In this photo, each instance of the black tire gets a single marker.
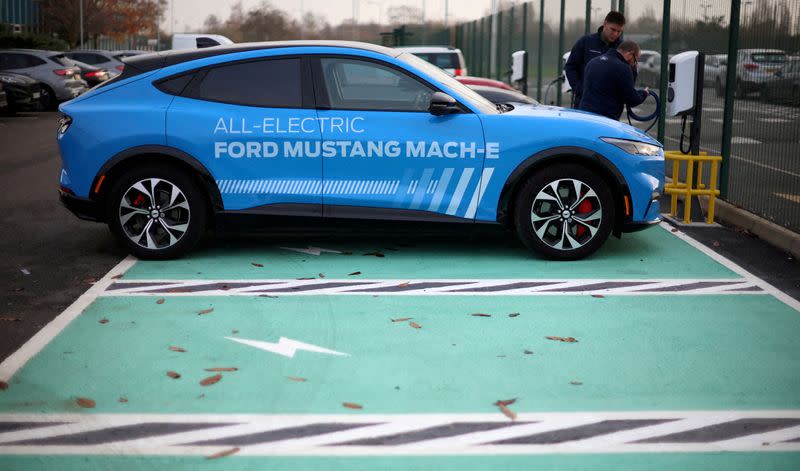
(171, 233)
(48, 100)
(535, 197)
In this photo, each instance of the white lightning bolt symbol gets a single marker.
(286, 347)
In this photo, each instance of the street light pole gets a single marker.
(80, 8)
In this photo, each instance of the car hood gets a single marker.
(604, 126)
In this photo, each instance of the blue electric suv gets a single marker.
(341, 130)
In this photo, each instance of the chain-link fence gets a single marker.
(755, 45)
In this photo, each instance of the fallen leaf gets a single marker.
(402, 319)
(223, 453)
(376, 254)
(3, 385)
(415, 325)
(206, 311)
(122, 400)
(103, 321)
(211, 380)
(575, 383)
(223, 368)
(716, 243)
(505, 402)
(598, 296)
(322, 275)
(259, 265)
(160, 301)
(513, 314)
(478, 314)
(173, 374)
(403, 285)
(527, 352)
(117, 277)
(177, 349)
(85, 402)
(352, 405)
(296, 378)
(674, 230)
(10, 319)
(354, 273)
(90, 280)
(508, 412)
(563, 339)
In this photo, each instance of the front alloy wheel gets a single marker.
(564, 212)
(154, 214)
(157, 212)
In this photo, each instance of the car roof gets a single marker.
(413, 49)
(147, 62)
(34, 51)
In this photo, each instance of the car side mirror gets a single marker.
(442, 104)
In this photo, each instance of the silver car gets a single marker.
(109, 60)
(60, 78)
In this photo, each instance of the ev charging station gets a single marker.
(519, 69)
(685, 94)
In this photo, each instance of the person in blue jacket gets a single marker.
(590, 46)
(608, 82)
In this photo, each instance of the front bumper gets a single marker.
(84, 208)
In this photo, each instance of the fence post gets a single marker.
(481, 54)
(497, 45)
(539, 55)
(525, 43)
(622, 6)
(473, 53)
(662, 91)
(559, 52)
(588, 23)
(510, 38)
(730, 88)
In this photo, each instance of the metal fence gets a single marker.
(752, 44)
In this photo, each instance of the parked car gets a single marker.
(784, 87)
(649, 69)
(198, 41)
(484, 82)
(716, 67)
(445, 57)
(754, 67)
(109, 60)
(255, 130)
(59, 76)
(22, 91)
(503, 96)
(91, 74)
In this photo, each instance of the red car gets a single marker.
(485, 82)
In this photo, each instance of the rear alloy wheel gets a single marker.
(564, 212)
(157, 213)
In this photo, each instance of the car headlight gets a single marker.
(633, 147)
(9, 79)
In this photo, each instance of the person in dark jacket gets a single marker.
(590, 46)
(608, 82)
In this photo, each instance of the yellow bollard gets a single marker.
(687, 189)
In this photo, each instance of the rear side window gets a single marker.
(273, 83)
(444, 60)
(93, 59)
(175, 85)
(206, 42)
(10, 61)
(61, 59)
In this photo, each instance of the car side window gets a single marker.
(19, 61)
(271, 83)
(354, 84)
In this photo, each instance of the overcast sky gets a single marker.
(192, 13)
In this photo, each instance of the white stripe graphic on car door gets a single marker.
(477, 196)
(455, 201)
(441, 187)
(420, 190)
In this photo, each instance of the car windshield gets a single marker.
(773, 58)
(463, 91)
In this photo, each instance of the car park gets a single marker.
(59, 77)
(90, 74)
(784, 87)
(484, 82)
(22, 92)
(714, 71)
(450, 59)
(502, 96)
(754, 67)
(341, 131)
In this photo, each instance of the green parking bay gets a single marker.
(667, 343)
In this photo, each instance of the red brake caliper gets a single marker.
(583, 208)
(138, 200)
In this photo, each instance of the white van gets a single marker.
(445, 57)
(198, 41)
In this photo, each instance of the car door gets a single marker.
(384, 154)
(248, 122)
